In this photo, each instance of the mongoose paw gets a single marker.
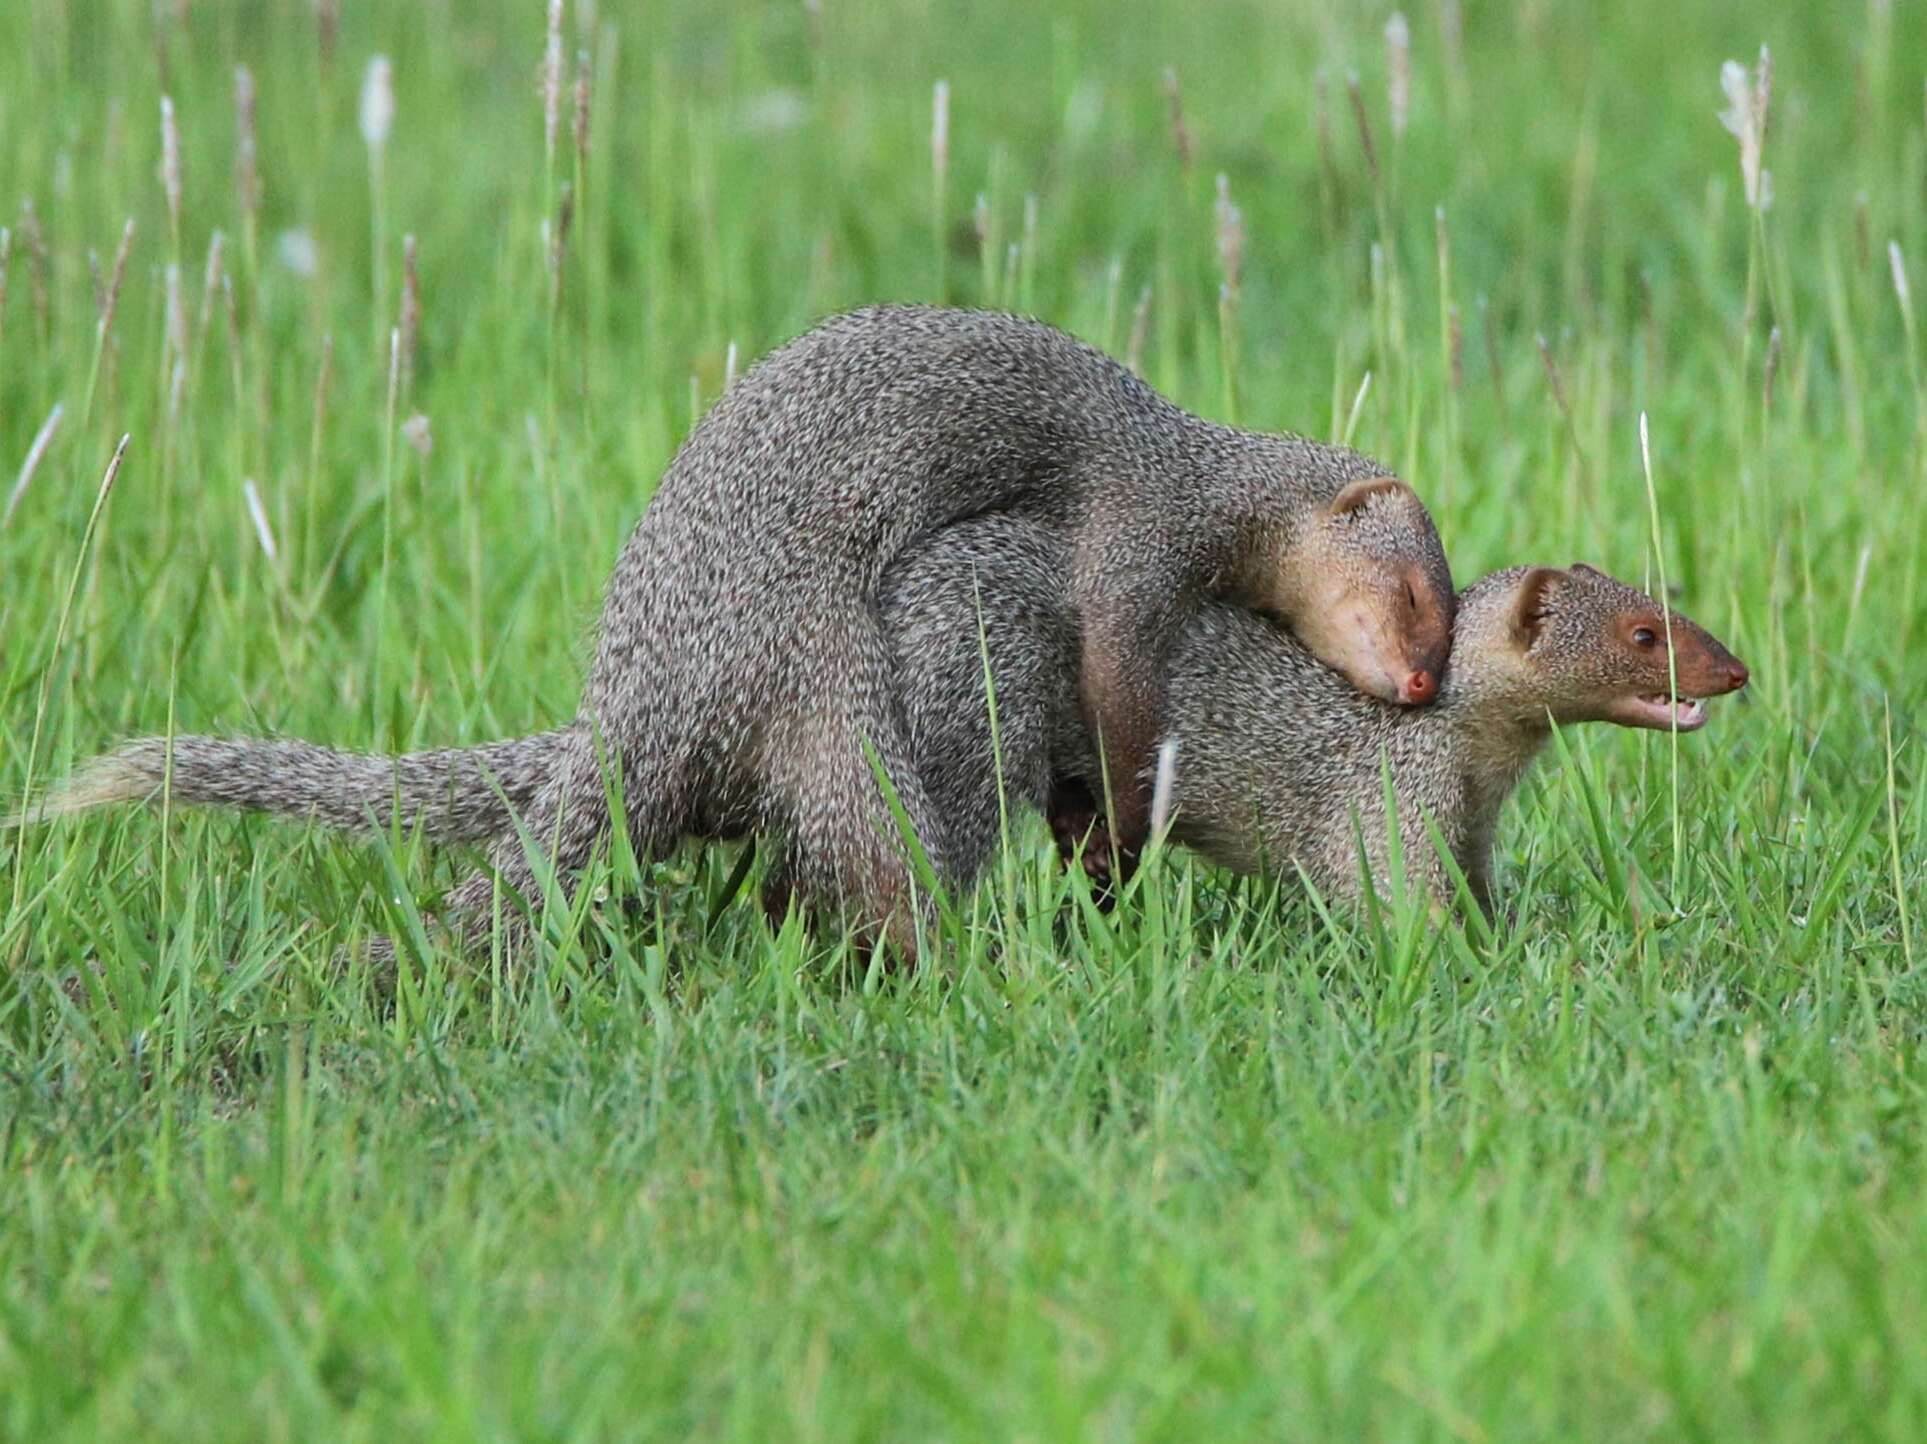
(1083, 836)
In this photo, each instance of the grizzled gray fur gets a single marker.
(1279, 758)
(741, 668)
(457, 794)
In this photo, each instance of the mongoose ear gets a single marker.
(1532, 603)
(1356, 493)
(1581, 567)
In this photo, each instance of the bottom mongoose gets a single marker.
(1278, 762)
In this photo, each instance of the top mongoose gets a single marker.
(741, 678)
(1279, 761)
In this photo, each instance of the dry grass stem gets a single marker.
(1140, 328)
(377, 109)
(1364, 123)
(263, 533)
(171, 170)
(1231, 237)
(247, 171)
(580, 128)
(411, 309)
(1164, 786)
(36, 453)
(552, 83)
(1180, 132)
(35, 242)
(1398, 71)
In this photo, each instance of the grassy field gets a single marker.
(1645, 1164)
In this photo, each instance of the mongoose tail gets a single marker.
(1361, 580)
(452, 794)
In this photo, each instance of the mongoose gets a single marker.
(1276, 755)
(742, 680)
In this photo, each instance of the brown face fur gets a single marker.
(1591, 649)
(1375, 597)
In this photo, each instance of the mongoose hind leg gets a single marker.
(848, 855)
(1078, 822)
(1130, 617)
(567, 820)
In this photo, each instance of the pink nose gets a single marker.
(1420, 686)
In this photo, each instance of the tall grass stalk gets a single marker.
(56, 654)
(1672, 660)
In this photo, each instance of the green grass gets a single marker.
(1648, 1164)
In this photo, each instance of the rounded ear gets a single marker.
(1355, 494)
(1588, 571)
(1532, 603)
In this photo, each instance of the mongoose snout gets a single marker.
(1599, 650)
(1374, 601)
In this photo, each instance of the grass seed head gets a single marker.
(210, 283)
(411, 306)
(552, 80)
(42, 439)
(327, 28)
(1231, 237)
(417, 433)
(176, 311)
(1747, 99)
(1897, 265)
(581, 117)
(1452, 32)
(1364, 123)
(171, 164)
(247, 176)
(1398, 70)
(297, 251)
(35, 243)
(112, 297)
(1180, 132)
(377, 103)
(940, 129)
(1140, 328)
(258, 514)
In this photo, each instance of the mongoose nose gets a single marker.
(1420, 686)
(1736, 676)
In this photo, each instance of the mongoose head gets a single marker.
(1582, 647)
(1369, 591)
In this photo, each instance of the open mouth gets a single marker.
(1663, 713)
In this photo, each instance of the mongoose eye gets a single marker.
(1411, 598)
(1645, 637)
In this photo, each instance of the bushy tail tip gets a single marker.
(100, 783)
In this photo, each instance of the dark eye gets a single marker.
(1411, 597)
(1645, 637)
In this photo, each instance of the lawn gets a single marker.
(1644, 1163)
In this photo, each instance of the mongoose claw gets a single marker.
(1084, 837)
